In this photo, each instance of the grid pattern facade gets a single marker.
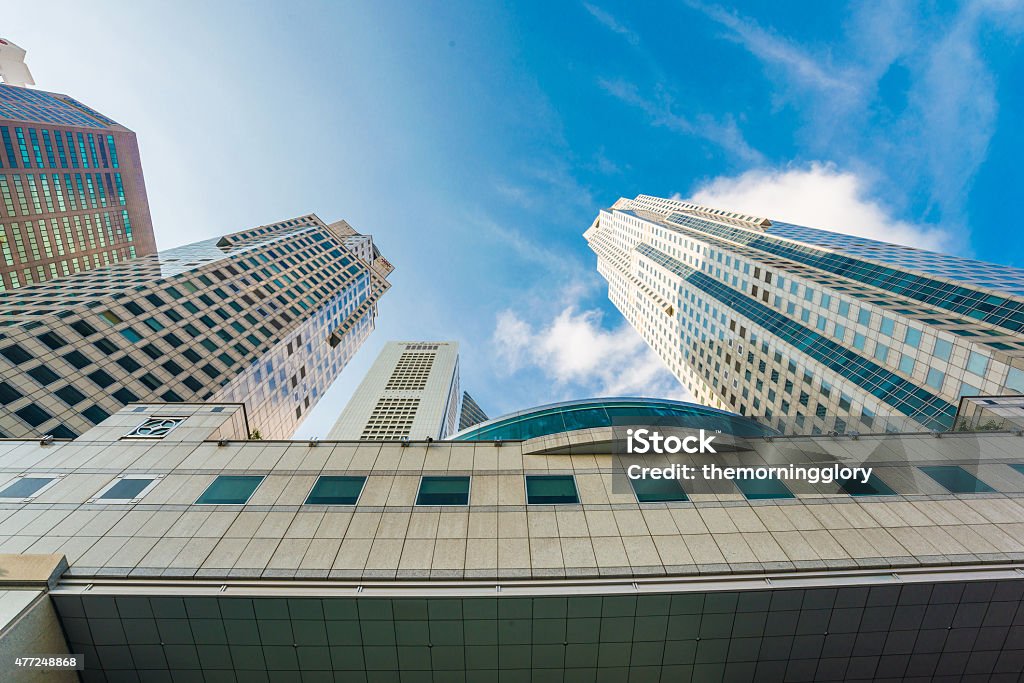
(391, 418)
(254, 317)
(410, 392)
(810, 330)
(927, 632)
(72, 194)
(471, 413)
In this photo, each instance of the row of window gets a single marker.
(541, 489)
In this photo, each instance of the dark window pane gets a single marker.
(550, 489)
(76, 359)
(761, 489)
(54, 341)
(83, 328)
(649, 490)
(336, 491)
(95, 414)
(8, 394)
(956, 479)
(43, 375)
(62, 432)
(230, 490)
(105, 346)
(128, 363)
(25, 487)
(70, 395)
(873, 487)
(101, 378)
(126, 489)
(443, 491)
(125, 396)
(33, 414)
(16, 354)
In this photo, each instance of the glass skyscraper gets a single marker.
(267, 317)
(813, 330)
(72, 195)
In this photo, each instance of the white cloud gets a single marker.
(818, 196)
(582, 357)
(612, 24)
(660, 109)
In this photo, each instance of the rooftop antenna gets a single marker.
(13, 70)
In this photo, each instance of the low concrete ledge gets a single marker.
(35, 571)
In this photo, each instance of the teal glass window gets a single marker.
(1019, 468)
(230, 490)
(26, 487)
(763, 489)
(969, 390)
(858, 341)
(907, 364)
(864, 317)
(956, 479)
(977, 363)
(551, 489)
(443, 491)
(844, 309)
(913, 337)
(887, 326)
(881, 352)
(657, 490)
(873, 487)
(1015, 380)
(935, 378)
(126, 489)
(942, 349)
(330, 490)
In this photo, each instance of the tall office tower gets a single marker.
(267, 317)
(471, 413)
(72, 189)
(410, 392)
(812, 329)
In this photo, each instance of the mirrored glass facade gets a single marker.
(808, 330)
(72, 194)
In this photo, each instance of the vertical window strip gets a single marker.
(5, 189)
(25, 161)
(37, 151)
(71, 150)
(49, 148)
(120, 189)
(81, 151)
(8, 256)
(60, 149)
(20, 190)
(60, 193)
(55, 229)
(33, 191)
(9, 146)
(113, 151)
(92, 149)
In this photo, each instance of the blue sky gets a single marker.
(477, 141)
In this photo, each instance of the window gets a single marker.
(443, 491)
(43, 375)
(230, 490)
(873, 487)
(649, 490)
(126, 489)
(956, 479)
(881, 352)
(27, 487)
(864, 317)
(70, 395)
(33, 415)
(16, 354)
(336, 491)
(977, 363)
(551, 489)
(913, 337)
(762, 489)
(907, 364)
(95, 414)
(942, 349)
(887, 326)
(934, 378)
(154, 427)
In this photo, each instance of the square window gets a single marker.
(762, 489)
(551, 489)
(70, 395)
(95, 414)
(43, 375)
(443, 491)
(881, 352)
(977, 363)
(942, 349)
(33, 415)
(913, 337)
(907, 364)
(27, 487)
(956, 479)
(872, 487)
(934, 378)
(125, 489)
(649, 490)
(230, 490)
(332, 490)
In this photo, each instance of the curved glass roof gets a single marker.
(569, 416)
